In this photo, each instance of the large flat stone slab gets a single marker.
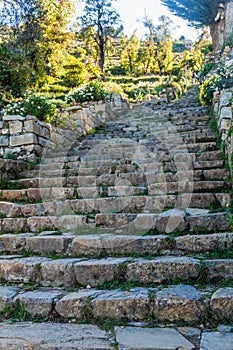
(217, 341)
(133, 338)
(48, 336)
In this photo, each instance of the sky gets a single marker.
(132, 10)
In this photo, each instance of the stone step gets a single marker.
(88, 177)
(124, 223)
(167, 221)
(74, 272)
(53, 202)
(95, 245)
(41, 223)
(187, 186)
(173, 303)
(98, 166)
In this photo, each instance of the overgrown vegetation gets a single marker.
(62, 67)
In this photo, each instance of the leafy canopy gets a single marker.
(197, 12)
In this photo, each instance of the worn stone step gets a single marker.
(186, 186)
(38, 223)
(47, 335)
(74, 272)
(130, 204)
(109, 245)
(172, 303)
(168, 221)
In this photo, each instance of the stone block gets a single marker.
(9, 118)
(6, 295)
(21, 140)
(74, 304)
(221, 303)
(94, 272)
(5, 131)
(171, 220)
(179, 302)
(14, 225)
(226, 113)
(39, 244)
(32, 127)
(59, 273)
(22, 269)
(71, 222)
(48, 335)
(134, 305)
(163, 269)
(132, 338)
(10, 209)
(203, 243)
(39, 303)
(13, 244)
(16, 127)
(38, 223)
(216, 341)
(43, 141)
(225, 97)
(220, 268)
(45, 133)
(4, 141)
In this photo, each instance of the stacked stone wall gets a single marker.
(24, 138)
(223, 111)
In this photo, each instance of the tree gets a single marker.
(159, 44)
(100, 15)
(37, 34)
(211, 13)
(129, 52)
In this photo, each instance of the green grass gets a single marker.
(10, 185)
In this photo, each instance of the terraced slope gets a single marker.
(127, 227)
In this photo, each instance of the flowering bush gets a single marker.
(93, 91)
(221, 78)
(32, 104)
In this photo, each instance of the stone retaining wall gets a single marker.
(223, 111)
(24, 138)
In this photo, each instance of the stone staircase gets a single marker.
(122, 239)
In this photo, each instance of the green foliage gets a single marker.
(229, 40)
(117, 70)
(94, 91)
(111, 88)
(32, 52)
(219, 78)
(206, 69)
(74, 72)
(197, 13)
(129, 53)
(100, 16)
(32, 104)
(10, 185)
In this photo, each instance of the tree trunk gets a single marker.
(101, 56)
(222, 28)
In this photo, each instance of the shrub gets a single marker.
(221, 78)
(32, 104)
(93, 91)
(112, 88)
